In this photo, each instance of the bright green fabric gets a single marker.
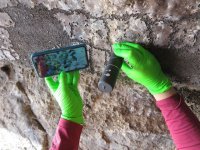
(142, 67)
(65, 90)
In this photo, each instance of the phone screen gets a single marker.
(52, 62)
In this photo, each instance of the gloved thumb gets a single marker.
(53, 85)
(127, 52)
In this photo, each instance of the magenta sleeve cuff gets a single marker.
(67, 136)
(183, 125)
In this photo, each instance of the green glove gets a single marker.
(65, 90)
(142, 67)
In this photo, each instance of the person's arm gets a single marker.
(65, 91)
(67, 136)
(183, 125)
(143, 68)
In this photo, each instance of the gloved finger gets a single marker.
(122, 51)
(129, 53)
(62, 78)
(52, 85)
(125, 68)
(70, 77)
(76, 78)
(136, 46)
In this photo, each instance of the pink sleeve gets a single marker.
(183, 125)
(67, 136)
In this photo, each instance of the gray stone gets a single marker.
(125, 119)
(5, 20)
(17, 115)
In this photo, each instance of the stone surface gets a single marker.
(17, 114)
(125, 119)
(6, 49)
(6, 21)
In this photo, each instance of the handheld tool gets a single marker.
(109, 76)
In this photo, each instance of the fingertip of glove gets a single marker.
(121, 45)
(62, 74)
(115, 45)
(77, 73)
(47, 79)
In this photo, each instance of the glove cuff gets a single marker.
(160, 86)
(79, 120)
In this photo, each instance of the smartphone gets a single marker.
(52, 62)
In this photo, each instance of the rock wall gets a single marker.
(127, 118)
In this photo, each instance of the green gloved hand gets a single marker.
(142, 67)
(65, 90)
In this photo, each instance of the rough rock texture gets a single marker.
(127, 118)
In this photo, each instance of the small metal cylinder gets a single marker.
(110, 74)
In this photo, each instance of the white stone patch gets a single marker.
(8, 54)
(137, 31)
(6, 50)
(5, 3)
(137, 25)
(5, 20)
(2, 55)
(50, 4)
(28, 3)
(108, 7)
(99, 33)
(101, 8)
(117, 29)
(10, 140)
(161, 32)
(187, 35)
(61, 4)
(67, 5)
(132, 30)
(73, 20)
(78, 26)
